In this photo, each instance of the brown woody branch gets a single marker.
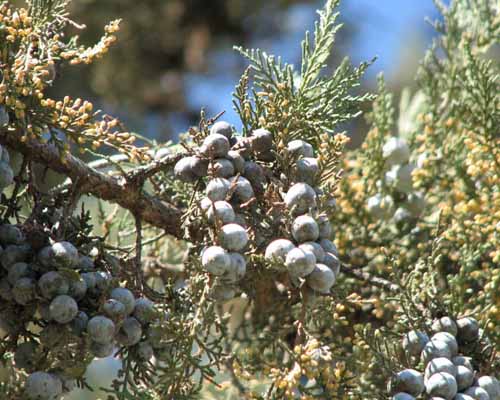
(128, 193)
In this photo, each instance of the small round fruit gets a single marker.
(305, 229)
(254, 173)
(278, 249)
(79, 323)
(332, 262)
(414, 342)
(243, 190)
(233, 237)
(63, 309)
(77, 289)
(442, 385)
(491, 385)
(217, 189)
(445, 324)
(237, 160)
(307, 170)
(144, 310)
(299, 263)
(403, 396)
(237, 269)
(189, 169)
(435, 349)
(125, 297)
(222, 168)
(477, 393)
(215, 146)
(440, 364)
(90, 279)
(65, 255)
(103, 280)
(321, 279)
(215, 260)
(114, 309)
(222, 128)
(314, 248)
(462, 396)
(395, 151)
(301, 197)
(462, 360)
(17, 271)
(183, 170)
(220, 211)
(449, 339)
(325, 227)
(262, 140)
(408, 381)
(11, 234)
(102, 350)
(300, 148)
(43, 386)
(465, 378)
(130, 332)
(329, 246)
(85, 263)
(101, 329)
(468, 330)
(24, 291)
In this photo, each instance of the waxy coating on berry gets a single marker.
(215, 260)
(301, 197)
(217, 189)
(125, 297)
(43, 386)
(222, 128)
(442, 385)
(65, 255)
(63, 309)
(101, 329)
(233, 237)
(321, 279)
(408, 381)
(300, 148)
(299, 263)
(278, 249)
(221, 212)
(215, 146)
(305, 229)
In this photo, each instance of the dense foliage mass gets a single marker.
(262, 264)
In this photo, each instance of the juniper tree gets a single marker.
(263, 264)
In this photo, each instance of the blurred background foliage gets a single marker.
(174, 57)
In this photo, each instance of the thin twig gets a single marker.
(369, 278)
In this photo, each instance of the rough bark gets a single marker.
(127, 193)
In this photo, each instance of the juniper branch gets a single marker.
(369, 278)
(127, 193)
